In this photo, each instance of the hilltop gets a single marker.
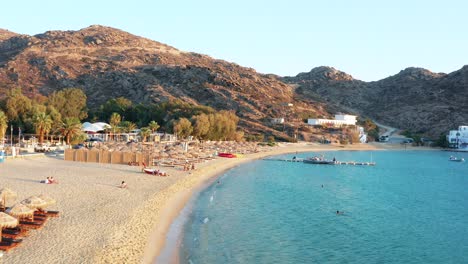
(107, 63)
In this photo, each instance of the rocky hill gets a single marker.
(108, 63)
(415, 99)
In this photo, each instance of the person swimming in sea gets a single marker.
(339, 213)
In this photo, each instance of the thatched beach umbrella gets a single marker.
(46, 198)
(6, 221)
(34, 202)
(6, 193)
(21, 211)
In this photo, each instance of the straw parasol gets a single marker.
(21, 211)
(6, 221)
(34, 202)
(6, 193)
(46, 198)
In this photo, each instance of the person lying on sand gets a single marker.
(123, 185)
(52, 180)
(46, 181)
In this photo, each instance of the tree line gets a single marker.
(62, 112)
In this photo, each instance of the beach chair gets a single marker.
(16, 231)
(31, 224)
(46, 213)
(7, 246)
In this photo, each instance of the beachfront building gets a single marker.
(339, 120)
(277, 120)
(362, 135)
(458, 138)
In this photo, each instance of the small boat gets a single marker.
(154, 172)
(452, 158)
(319, 161)
(227, 155)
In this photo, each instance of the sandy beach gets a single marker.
(101, 223)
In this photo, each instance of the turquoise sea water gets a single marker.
(410, 208)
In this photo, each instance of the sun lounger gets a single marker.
(31, 225)
(6, 246)
(46, 213)
(11, 240)
(15, 236)
(15, 232)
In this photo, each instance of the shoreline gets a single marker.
(175, 204)
(101, 223)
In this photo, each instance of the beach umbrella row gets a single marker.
(24, 209)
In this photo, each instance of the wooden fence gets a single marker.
(104, 156)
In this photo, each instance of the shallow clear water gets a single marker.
(410, 208)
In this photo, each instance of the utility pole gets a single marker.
(11, 136)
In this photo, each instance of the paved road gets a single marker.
(393, 134)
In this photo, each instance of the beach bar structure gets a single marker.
(458, 139)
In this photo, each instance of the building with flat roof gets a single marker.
(339, 120)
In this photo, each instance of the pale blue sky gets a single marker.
(368, 39)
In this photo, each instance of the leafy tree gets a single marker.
(70, 128)
(56, 117)
(17, 106)
(144, 133)
(201, 125)
(239, 136)
(153, 126)
(3, 124)
(442, 141)
(118, 105)
(42, 123)
(183, 127)
(271, 139)
(70, 102)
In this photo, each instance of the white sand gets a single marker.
(101, 223)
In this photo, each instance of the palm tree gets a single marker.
(42, 123)
(3, 124)
(144, 133)
(127, 126)
(69, 128)
(153, 125)
(114, 121)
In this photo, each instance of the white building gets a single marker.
(338, 121)
(362, 135)
(458, 138)
(277, 120)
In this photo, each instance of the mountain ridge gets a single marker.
(414, 99)
(106, 63)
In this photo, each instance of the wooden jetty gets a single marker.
(325, 162)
